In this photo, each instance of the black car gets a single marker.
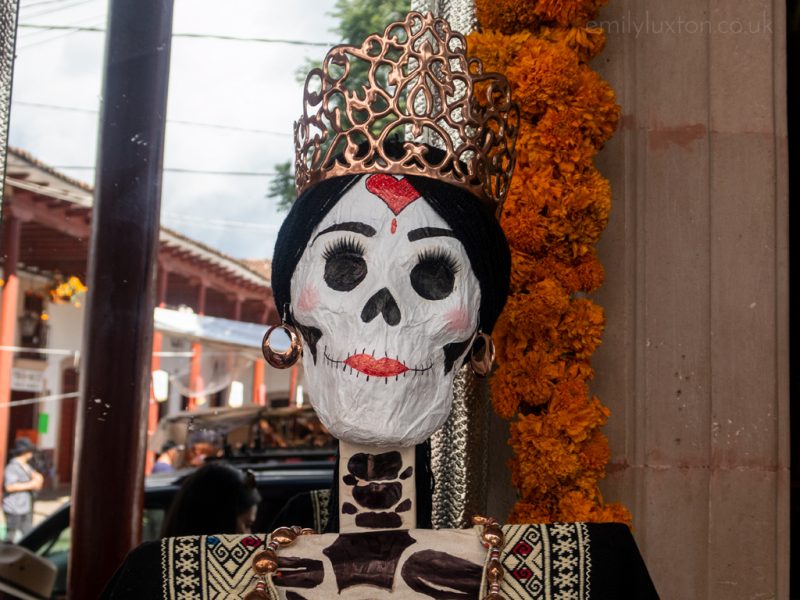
(277, 480)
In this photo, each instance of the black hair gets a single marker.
(168, 445)
(210, 500)
(474, 227)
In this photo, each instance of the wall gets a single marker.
(694, 363)
(66, 330)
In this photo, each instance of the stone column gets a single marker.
(196, 382)
(694, 363)
(162, 282)
(11, 227)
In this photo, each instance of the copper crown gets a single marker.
(414, 81)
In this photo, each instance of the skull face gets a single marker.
(387, 304)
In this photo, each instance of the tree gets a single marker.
(282, 186)
(357, 20)
(360, 18)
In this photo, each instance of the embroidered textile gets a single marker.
(542, 562)
(546, 562)
(208, 567)
(319, 503)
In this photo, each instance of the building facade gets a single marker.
(212, 311)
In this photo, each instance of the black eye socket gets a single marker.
(345, 267)
(434, 275)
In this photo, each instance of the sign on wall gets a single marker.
(27, 380)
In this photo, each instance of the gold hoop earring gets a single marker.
(481, 355)
(276, 352)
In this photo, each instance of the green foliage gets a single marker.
(282, 186)
(357, 20)
(360, 18)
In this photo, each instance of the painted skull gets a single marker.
(387, 304)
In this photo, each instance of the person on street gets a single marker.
(20, 482)
(169, 458)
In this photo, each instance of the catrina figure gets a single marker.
(391, 282)
(389, 273)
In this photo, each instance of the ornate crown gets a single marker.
(413, 84)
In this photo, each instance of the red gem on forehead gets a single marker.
(396, 193)
(394, 225)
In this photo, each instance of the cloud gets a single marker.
(246, 85)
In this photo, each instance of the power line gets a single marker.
(220, 223)
(28, 40)
(27, 401)
(182, 170)
(202, 36)
(231, 173)
(94, 111)
(48, 11)
(60, 27)
(232, 38)
(40, 3)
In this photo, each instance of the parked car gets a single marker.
(277, 481)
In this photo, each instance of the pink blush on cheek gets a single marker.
(308, 300)
(458, 320)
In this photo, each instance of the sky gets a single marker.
(247, 90)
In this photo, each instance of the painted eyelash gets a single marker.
(343, 246)
(439, 255)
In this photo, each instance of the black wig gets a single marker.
(474, 227)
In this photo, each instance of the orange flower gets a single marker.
(573, 413)
(595, 452)
(525, 512)
(581, 328)
(586, 42)
(541, 73)
(596, 102)
(506, 16)
(579, 274)
(568, 12)
(512, 16)
(557, 208)
(551, 462)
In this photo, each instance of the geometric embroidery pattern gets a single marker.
(320, 500)
(546, 562)
(208, 567)
(541, 562)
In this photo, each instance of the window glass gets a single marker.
(59, 546)
(151, 523)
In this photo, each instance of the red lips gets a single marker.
(376, 367)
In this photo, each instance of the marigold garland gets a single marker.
(556, 210)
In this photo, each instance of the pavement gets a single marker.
(47, 502)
